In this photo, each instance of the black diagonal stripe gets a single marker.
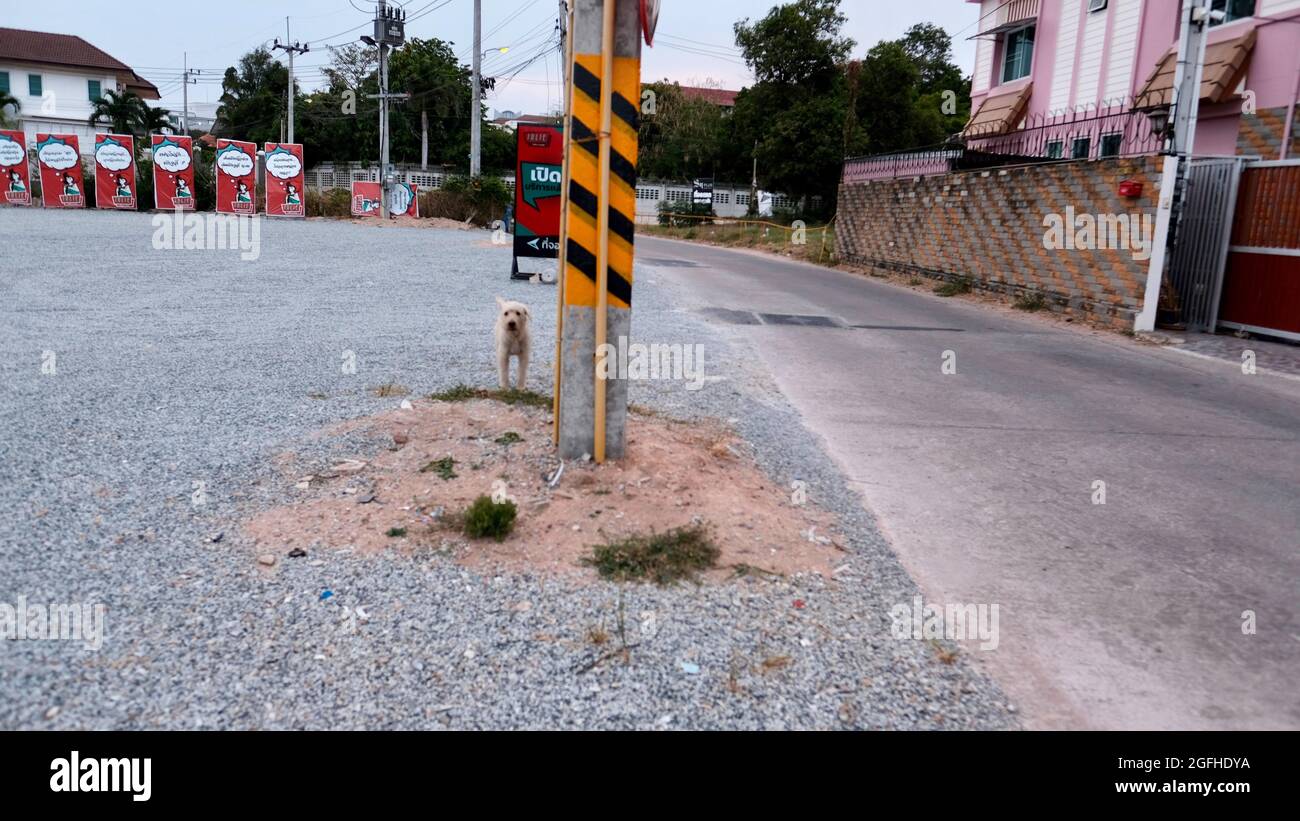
(626, 112)
(586, 82)
(585, 261)
(589, 202)
(618, 164)
(585, 137)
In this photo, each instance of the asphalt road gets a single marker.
(1127, 614)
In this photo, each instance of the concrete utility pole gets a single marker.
(1194, 19)
(186, 80)
(296, 48)
(390, 30)
(475, 115)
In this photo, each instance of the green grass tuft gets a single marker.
(486, 519)
(444, 467)
(396, 532)
(509, 438)
(960, 285)
(462, 393)
(659, 557)
(1030, 301)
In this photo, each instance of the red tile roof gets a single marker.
(717, 96)
(25, 46)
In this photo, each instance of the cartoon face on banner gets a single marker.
(58, 156)
(15, 177)
(365, 199)
(115, 171)
(236, 183)
(404, 201)
(173, 172)
(284, 180)
(538, 171)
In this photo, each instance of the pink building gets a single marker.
(1074, 78)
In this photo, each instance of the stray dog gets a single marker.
(512, 339)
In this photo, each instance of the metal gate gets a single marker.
(1200, 249)
(1261, 285)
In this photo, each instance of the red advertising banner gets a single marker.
(115, 171)
(285, 176)
(58, 156)
(403, 200)
(538, 172)
(236, 177)
(365, 199)
(173, 172)
(17, 177)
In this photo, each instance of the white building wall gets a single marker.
(64, 104)
(1123, 48)
(1063, 67)
(1088, 89)
(981, 80)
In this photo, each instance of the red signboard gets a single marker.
(173, 172)
(115, 171)
(59, 158)
(284, 180)
(538, 173)
(236, 177)
(17, 180)
(365, 199)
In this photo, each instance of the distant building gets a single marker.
(510, 121)
(723, 98)
(202, 117)
(57, 77)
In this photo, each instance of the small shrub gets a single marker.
(330, 202)
(659, 557)
(488, 519)
(1030, 301)
(396, 532)
(509, 438)
(960, 285)
(513, 396)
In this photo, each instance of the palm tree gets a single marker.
(8, 100)
(153, 119)
(120, 108)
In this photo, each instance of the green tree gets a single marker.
(8, 102)
(438, 108)
(684, 137)
(120, 110)
(253, 98)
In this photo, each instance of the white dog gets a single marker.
(512, 340)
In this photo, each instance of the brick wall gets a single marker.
(989, 226)
(1261, 134)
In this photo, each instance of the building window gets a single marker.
(1055, 149)
(34, 85)
(1096, 5)
(1110, 145)
(93, 90)
(1081, 148)
(1232, 10)
(1018, 54)
(4, 82)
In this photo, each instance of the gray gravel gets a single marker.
(176, 367)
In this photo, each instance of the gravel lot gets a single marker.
(177, 367)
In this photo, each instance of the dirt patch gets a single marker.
(445, 454)
(408, 222)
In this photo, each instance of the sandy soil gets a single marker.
(674, 474)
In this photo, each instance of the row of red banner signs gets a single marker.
(58, 156)
(403, 199)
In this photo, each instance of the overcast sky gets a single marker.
(695, 45)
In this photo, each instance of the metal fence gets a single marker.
(1091, 132)
(1200, 249)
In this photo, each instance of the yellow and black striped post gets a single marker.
(598, 226)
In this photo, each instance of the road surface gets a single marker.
(1127, 614)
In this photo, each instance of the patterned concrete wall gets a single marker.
(1262, 134)
(993, 227)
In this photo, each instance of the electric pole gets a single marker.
(186, 81)
(390, 30)
(475, 126)
(296, 48)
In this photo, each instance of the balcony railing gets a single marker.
(1010, 15)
